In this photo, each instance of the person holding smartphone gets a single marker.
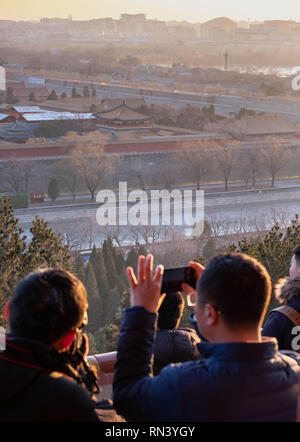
(239, 375)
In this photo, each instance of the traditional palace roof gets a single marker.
(122, 113)
(18, 132)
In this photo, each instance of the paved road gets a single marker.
(223, 103)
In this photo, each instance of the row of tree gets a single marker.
(74, 94)
(104, 275)
(53, 96)
(105, 279)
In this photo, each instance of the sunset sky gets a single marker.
(191, 10)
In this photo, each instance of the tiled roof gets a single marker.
(23, 109)
(112, 103)
(54, 116)
(122, 113)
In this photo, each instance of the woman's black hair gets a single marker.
(46, 305)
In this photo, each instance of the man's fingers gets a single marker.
(187, 288)
(158, 277)
(197, 267)
(161, 299)
(141, 269)
(149, 267)
(131, 277)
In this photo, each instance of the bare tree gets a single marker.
(67, 173)
(16, 175)
(225, 155)
(89, 157)
(250, 163)
(148, 233)
(276, 157)
(166, 175)
(118, 234)
(197, 156)
(73, 234)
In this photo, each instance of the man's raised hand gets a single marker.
(145, 289)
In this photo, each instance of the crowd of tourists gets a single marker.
(235, 362)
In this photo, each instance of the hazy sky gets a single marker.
(191, 10)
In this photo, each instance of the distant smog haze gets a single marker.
(190, 10)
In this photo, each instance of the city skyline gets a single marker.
(192, 11)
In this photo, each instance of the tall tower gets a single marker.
(226, 61)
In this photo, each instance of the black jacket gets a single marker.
(229, 382)
(178, 345)
(280, 326)
(32, 390)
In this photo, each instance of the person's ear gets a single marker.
(210, 314)
(7, 309)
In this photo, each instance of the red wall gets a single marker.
(24, 151)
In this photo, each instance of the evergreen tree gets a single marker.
(132, 259)
(53, 190)
(74, 93)
(101, 273)
(107, 338)
(64, 95)
(274, 250)
(10, 97)
(53, 96)
(209, 249)
(93, 256)
(109, 262)
(207, 228)
(120, 263)
(79, 267)
(46, 248)
(142, 251)
(94, 311)
(92, 344)
(32, 96)
(18, 258)
(102, 284)
(12, 249)
(86, 92)
(94, 94)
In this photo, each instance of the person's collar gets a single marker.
(253, 350)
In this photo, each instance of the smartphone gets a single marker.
(173, 278)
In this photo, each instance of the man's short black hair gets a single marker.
(296, 252)
(170, 311)
(46, 305)
(238, 286)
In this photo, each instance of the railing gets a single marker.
(104, 365)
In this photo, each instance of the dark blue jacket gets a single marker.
(280, 326)
(231, 382)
